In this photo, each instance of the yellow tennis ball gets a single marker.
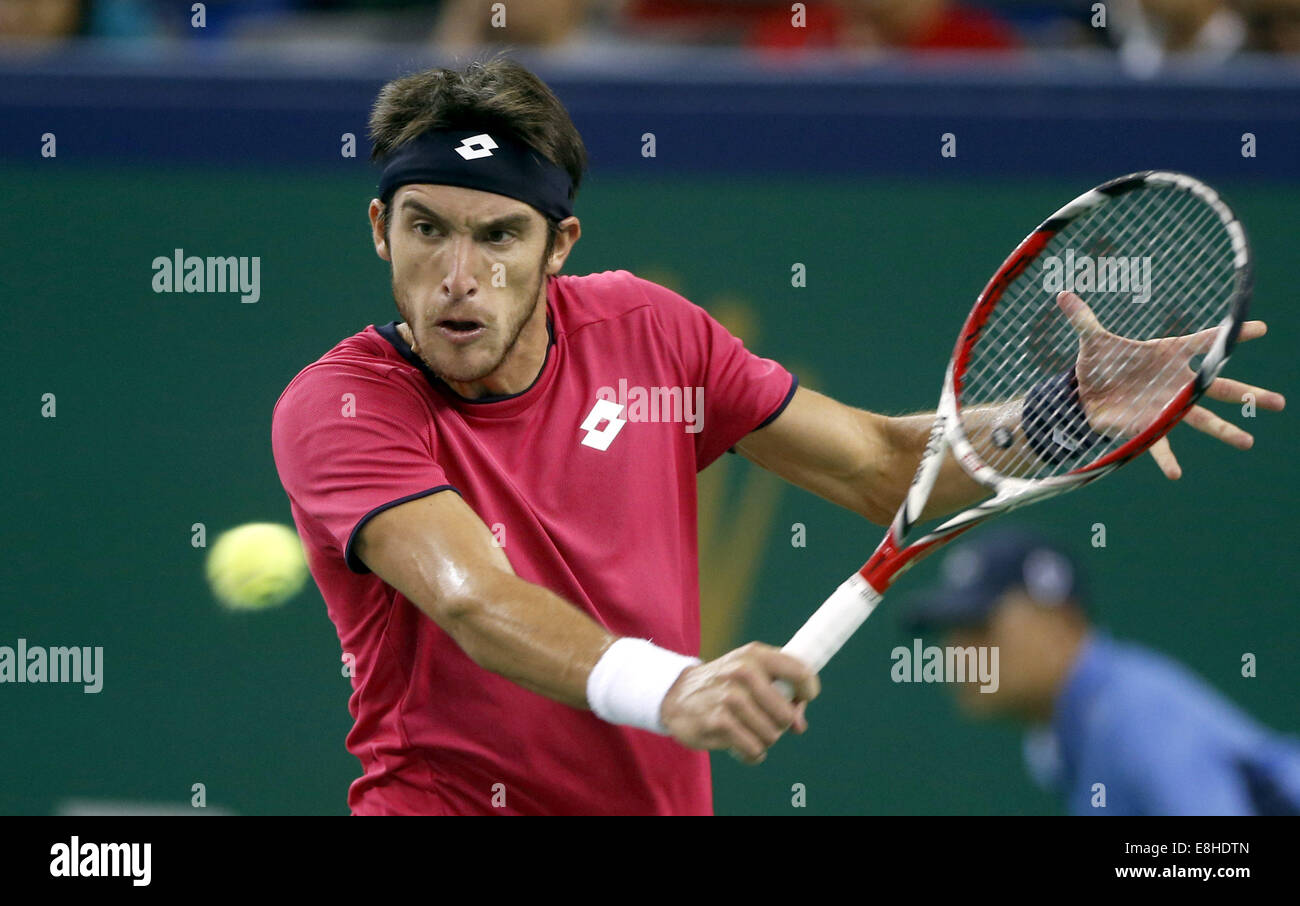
(257, 565)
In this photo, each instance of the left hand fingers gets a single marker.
(1226, 390)
(1202, 341)
(1252, 330)
(1079, 315)
(1163, 454)
(1203, 419)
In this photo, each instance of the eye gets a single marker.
(500, 237)
(424, 228)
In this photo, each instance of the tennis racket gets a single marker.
(1045, 394)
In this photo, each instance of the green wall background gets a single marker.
(164, 406)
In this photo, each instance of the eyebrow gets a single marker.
(507, 221)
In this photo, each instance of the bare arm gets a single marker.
(859, 459)
(438, 553)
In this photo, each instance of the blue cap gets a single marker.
(978, 572)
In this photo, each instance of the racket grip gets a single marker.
(831, 626)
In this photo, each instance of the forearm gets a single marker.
(995, 433)
(440, 555)
(529, 635)
(907, 436)
(865, 461)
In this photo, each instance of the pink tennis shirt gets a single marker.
(587, 479)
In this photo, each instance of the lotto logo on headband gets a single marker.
(476, 146)
(501, 164)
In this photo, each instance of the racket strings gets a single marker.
(1156, 262)
(1165, 383)
(1214, 294)
(1165, 222)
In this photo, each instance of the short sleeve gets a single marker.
(349, 444)
(742, 391)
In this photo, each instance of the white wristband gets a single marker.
(628, 684)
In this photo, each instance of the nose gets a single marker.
(460, 281)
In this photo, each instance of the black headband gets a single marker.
(492, 162)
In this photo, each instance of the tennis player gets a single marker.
(505, 540)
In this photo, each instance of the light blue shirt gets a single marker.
(1160, 740)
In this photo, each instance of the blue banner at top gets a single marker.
(708, 112)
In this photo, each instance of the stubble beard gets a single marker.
(477, 374)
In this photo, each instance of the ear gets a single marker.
(566, 237)
(377, 229)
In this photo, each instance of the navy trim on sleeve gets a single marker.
(349, 555)
(794, 385)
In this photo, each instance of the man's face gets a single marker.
(1030, 653)
(468, 270)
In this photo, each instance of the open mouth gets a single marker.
(459, 331)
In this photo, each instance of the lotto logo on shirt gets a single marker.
(615, 407)
(602, 424)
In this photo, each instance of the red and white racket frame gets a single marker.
(848, 607)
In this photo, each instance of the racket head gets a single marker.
(1155, 255)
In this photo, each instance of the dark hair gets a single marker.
(496, 93)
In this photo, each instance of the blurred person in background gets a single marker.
(1100, 711)
(538, 23)
(923, 25)
(1150, 32)
(143, 19)
(904, 24)
(1273, 26)
(39, 20)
